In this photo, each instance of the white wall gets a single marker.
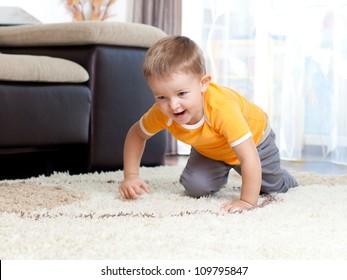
(53, 11)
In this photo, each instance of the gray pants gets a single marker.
(204, 176)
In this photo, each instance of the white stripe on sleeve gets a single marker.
(144, 130)
(242, 139)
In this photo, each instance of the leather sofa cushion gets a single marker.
(40, 69)
(81, 33)
(44, 114)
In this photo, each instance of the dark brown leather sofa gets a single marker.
(51, 124)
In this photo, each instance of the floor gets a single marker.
(306, 166)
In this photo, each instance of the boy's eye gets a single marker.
(182, 93)
(161, 97)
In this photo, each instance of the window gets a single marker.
(289, 57)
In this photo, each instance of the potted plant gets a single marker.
(89, 9)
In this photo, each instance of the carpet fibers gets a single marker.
(82, 217)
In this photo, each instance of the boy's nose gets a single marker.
(174, 104)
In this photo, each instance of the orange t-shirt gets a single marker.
(229, 119)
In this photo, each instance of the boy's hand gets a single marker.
(132, 188)
(237, 206)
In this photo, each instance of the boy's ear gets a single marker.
(205, 81)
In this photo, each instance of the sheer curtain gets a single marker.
(290, 58)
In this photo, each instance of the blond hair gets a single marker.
(174, 54)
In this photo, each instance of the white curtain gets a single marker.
(290, 58)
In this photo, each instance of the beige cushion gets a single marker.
(40, 69)
(81, 33)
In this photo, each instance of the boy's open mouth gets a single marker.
(177, 115)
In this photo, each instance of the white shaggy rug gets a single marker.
(83, 217)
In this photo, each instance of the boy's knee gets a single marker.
(197, 185)
(194, 186)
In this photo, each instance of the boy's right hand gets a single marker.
(132, 188)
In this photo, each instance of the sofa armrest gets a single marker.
(80, 33)
(120, 97)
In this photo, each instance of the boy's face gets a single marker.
(180, 96)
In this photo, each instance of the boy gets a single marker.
(224, 129)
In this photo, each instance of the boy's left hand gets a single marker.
(237, 206)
